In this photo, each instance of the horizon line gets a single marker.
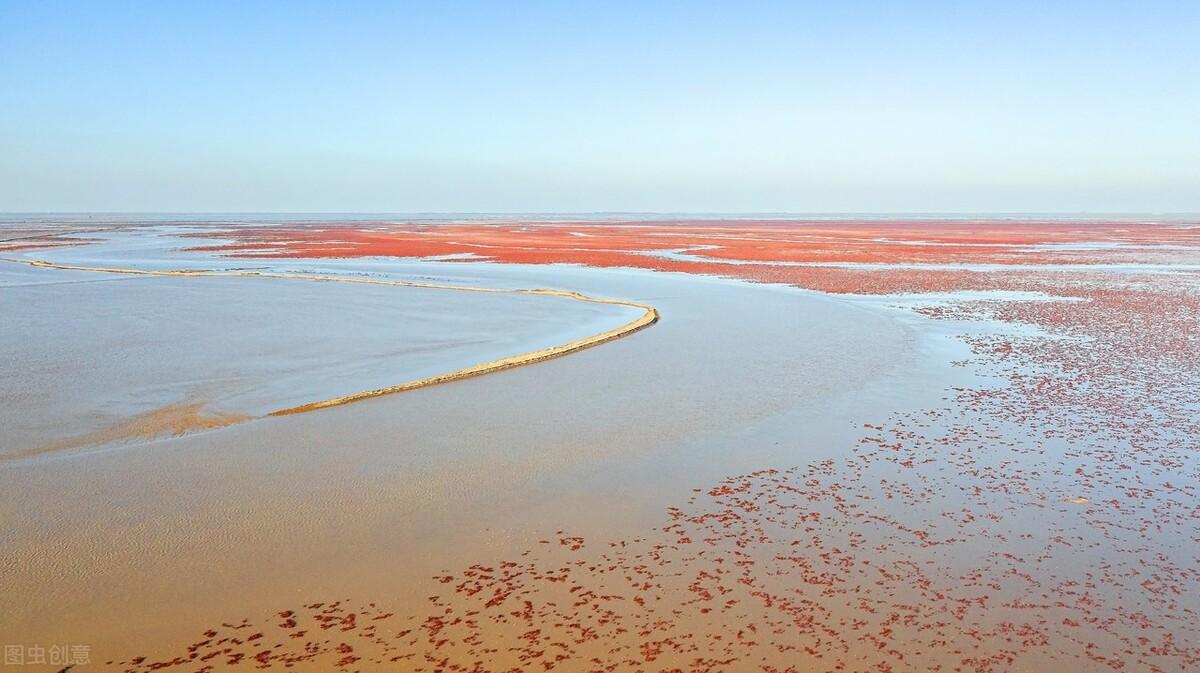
(730, 213)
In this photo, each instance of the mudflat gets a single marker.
(889, 458)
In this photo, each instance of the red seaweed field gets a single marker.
(1048, 522)
(835, 256)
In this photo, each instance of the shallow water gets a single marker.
(986, 480)
(86, 351)
(373, 498)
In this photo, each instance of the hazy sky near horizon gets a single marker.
(549, 106)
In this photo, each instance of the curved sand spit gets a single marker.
(649, 317)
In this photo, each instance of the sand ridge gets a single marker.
(649, 316)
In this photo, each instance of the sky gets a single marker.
(608, 106)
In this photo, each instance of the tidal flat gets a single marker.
(879, 467)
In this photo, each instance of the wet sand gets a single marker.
(973, 482)
(375, 498)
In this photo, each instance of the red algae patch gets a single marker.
(1046, 524)
(911, 242)
(817, 255)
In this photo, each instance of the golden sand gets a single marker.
(173, 420)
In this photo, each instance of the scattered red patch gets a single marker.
(941, 542)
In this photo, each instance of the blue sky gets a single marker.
(718, 107)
